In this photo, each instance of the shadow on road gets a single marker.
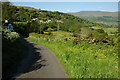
(39, 57)
(33, 60)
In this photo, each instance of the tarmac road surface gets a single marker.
(40, 63)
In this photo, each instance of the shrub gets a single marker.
(99, 34)
(116, 40)
(25, 28)
(86, 32)
(21, 27)
(100, 30)
(10, 36)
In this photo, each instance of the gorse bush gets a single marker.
(11, 36)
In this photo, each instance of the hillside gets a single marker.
(29, 8)
(30, 18)
(27, 19)
(109, 18)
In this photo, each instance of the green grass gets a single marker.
(83, 60)
(110, 31)
(62, 33)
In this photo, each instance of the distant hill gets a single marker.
(95, 13)
(109, 18)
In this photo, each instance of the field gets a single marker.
(84, 60)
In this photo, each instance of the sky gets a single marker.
(63, 0)
(71, 6)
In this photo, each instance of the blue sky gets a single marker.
(72, 6)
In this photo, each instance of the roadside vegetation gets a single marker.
(82, 58)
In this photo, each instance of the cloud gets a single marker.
(68, 10)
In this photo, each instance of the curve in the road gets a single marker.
(40, 63)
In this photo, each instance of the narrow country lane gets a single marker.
(40, 63)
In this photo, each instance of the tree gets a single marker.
(8, 12)
(33, 26)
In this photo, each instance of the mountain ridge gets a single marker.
(95, 13)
